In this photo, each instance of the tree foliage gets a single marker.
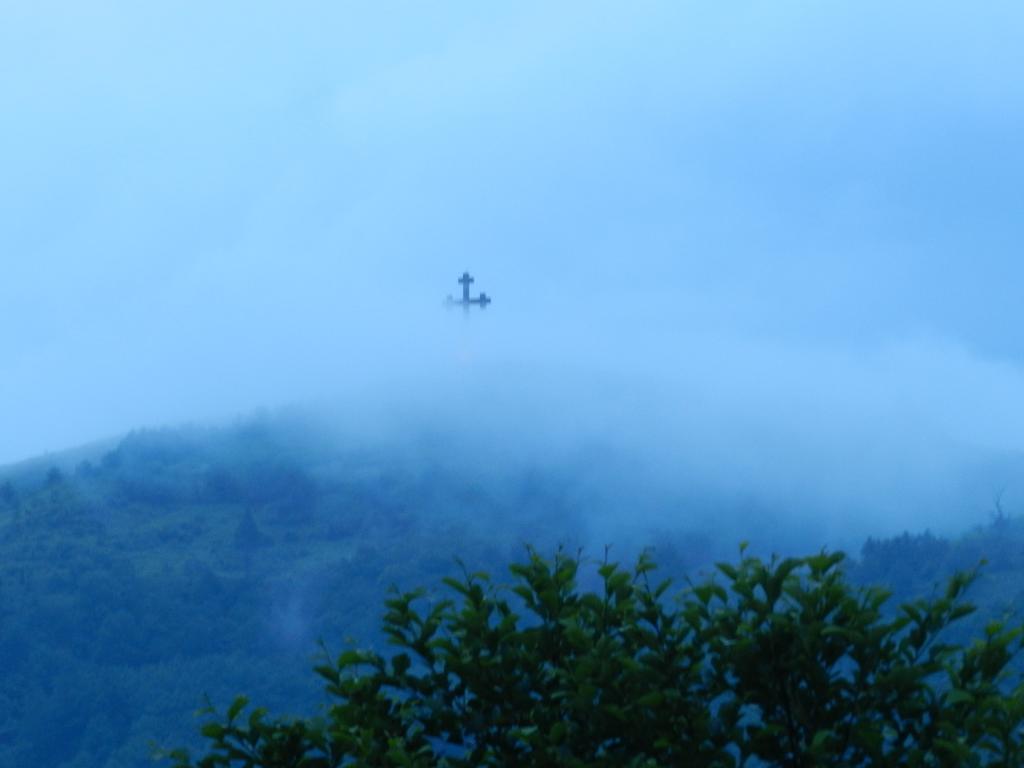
(780, 663)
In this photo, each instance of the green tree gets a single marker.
(779, 663)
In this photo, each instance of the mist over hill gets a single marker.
(719, 243)
(623, 476)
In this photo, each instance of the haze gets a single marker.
(765, 250)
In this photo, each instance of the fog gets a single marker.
(761, 252)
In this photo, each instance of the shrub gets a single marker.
(780, 663)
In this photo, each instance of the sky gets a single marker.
(768, 248)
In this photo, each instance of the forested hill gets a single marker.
(136, 577)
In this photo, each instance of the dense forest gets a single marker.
(143, 578)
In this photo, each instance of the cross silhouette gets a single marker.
(482, 300)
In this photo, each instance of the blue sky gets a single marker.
(754, 229)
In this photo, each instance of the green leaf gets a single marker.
(237, 706)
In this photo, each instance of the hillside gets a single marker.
(138, 576)
(180, 563)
